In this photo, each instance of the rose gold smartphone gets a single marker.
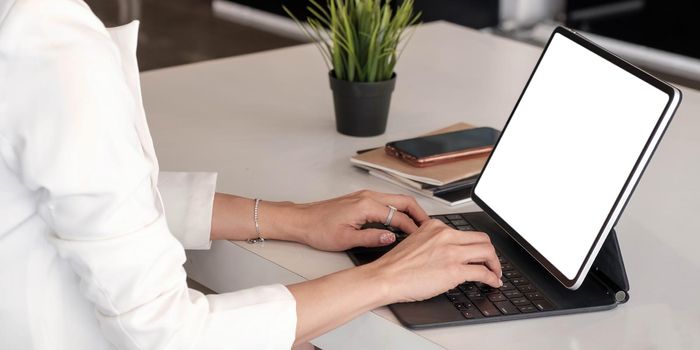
(442, 148)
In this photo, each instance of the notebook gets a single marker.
(437, 175)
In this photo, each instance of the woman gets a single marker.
(87, 259)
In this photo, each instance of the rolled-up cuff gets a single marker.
(188, 199)
(261, 318)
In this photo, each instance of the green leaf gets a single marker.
(361, 40)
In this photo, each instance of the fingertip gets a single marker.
(494, 281)
(386, 238)
(374, 238)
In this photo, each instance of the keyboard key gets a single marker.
(543, 305)
(502, 260)
(518, 281)
(486, 308)
(526, 288)
(443, 219)
(534, 295)
(527, 308)
(466, 217)
(464, 306)
(465, 228)
(485, 288)
(497, 297)
(506, 267)
(475, 295)
(459, 222)
(512, 293)
(507, 286)
(482, 286)
(471, 314)
(458, 298)
(512, 274)
(506, 308)
(453, 291)
(467, 287)
(520, 301)
(492, 291)
(453, 217)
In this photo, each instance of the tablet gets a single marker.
(572, 151)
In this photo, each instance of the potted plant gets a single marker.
(359, 41)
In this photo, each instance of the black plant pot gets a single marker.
(361, 109)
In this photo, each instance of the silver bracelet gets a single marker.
(256, 217)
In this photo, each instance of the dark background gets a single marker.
(669, 25)
(472, 13)
(183, 31)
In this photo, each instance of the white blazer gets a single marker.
(87, 259)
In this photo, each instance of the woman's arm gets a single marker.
(432, 260)
(330, 301)
(232, 219)
(333, 225)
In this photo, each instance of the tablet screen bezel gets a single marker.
(615, 212)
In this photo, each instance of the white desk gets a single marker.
(265, 123)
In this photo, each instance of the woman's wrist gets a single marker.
(282, 221)
(233, 218)
(380, 280)
(329, 301)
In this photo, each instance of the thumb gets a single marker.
(373, 237)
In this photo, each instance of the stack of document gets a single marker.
(448, 183)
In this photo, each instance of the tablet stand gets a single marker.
(609, 268)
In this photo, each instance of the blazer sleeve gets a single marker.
(77, 149)
(188, 199)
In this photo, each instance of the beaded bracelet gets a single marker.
(256, 217)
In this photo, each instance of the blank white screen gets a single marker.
(568, 150)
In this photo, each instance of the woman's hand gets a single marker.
(430, 261)
(437, 258)
(335, 224)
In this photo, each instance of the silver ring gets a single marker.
(392, 210)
